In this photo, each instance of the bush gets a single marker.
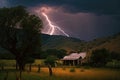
(86, 67)
(72, 70)
(113, 64)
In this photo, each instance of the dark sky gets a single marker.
(84, 19)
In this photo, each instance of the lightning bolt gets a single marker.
(53, 27)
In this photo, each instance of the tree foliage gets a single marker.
(100, 57)
(50, 60)
(115, 56)
(19, 32)
(53, 52)
(6, 56)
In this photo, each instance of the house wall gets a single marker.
(71, 62)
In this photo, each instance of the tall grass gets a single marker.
(60, 74)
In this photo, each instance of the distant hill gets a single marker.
(111, 43)
(61, 42)
(58, 42)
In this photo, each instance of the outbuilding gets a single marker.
(74, 59)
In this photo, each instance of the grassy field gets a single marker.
(61, 73)
(13, 62)
(65, 74)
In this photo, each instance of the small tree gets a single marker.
(50, 62)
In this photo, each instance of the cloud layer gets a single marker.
(96, 6)
(84, 19)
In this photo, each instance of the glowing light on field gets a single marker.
(53, 27)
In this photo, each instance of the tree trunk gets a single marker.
(30, 67)
(50, 70)
(16, 66)
(2, 67)
(38, 67)
(21, 65)
(20, 74)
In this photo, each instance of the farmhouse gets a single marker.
(74, 59)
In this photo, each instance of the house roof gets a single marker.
(75, 56)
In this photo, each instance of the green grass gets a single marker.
(8, 62)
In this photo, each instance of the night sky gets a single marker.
(83, 19)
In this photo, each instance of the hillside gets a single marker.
(111, 43)
(61, 42)
(58, 42)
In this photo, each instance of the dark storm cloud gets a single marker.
(96, 6)
(84, 19)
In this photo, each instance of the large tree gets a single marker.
(99, 57)
(19, 33)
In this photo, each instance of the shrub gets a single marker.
(86, 67)
(113, 64)
(72, 70)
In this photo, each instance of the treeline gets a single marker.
(51, 52)
(6, 56)
(100, 57)
(39, 55)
